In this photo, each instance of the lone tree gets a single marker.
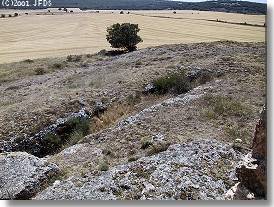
(124, 36)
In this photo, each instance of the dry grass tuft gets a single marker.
(103, 166)
(224, 106)
(157, 148)
(110, 116)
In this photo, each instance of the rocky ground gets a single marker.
(181, 172)
(139, 145)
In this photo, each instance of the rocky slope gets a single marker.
(184, 171)
(31, 102)
(141, 145)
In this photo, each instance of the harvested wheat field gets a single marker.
(39, 35)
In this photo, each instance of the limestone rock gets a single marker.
(99, 108)
(252, 170)
(23, 175)
(239, 192)
(184, 171)
(149, 88)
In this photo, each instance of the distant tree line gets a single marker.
(220, 5)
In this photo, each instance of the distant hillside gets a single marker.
(220, 5)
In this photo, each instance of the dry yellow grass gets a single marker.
(196, 15)
(113, 114)
(37, 36)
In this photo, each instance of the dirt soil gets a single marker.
(30, 102)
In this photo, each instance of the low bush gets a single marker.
(133, 158)
(145, 143)
(74, 138)
(74, 58)
(57, 66)
(84, 64)
(138, 63)
(28, 61)
(66, 135)
(80, 125)
(107, 152)
(103, 166)
(53, 141)
(114, 52)
(102, 52)
(157, 148)
(89, 55)
(39, 71)
(176, 83)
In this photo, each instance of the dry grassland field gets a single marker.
(171, 120)
(39, 34)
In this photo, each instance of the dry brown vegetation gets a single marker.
(32, 36)
(110, 117)
(29, 67)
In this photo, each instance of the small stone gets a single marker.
(149, 88)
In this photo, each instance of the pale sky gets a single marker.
(260, 1)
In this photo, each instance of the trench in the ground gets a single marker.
(51, 139)
(63, 133)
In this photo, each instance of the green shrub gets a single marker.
(53, 141)
(39, 71)
(103, 166)
(145, 143)
(124, 36)
(57, 65)
(75, 137)
(89, 55)
(102, 52)
(74, 58)
(80, 125)
(28, 61)
(209, 113)
(138, 62)
(176, 83)
(70, 133)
